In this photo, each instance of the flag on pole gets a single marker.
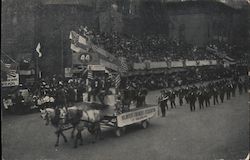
(38, 50)
(70, 35)
(12, 73)
(82, 40)
(85, 71)
(78, 42)
(117, 81)
(90, 75)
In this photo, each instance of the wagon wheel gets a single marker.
(145, 124)
(119, 131)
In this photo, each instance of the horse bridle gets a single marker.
(87, 116)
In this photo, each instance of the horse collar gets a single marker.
(87, 115)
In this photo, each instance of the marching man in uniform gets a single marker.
(192, 99)
(162, 103)
(172, 99)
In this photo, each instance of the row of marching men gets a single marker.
(215, 91)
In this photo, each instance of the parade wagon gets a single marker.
(135, 116)
(115, 114)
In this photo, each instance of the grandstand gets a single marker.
(148, 31)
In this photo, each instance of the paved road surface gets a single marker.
(218, 132)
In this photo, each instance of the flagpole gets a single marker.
(37, 72)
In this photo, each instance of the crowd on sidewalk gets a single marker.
(179, 78)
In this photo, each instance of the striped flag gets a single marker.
(90, 75)
(12, 73)
(78, 42)
(85, 71)
(117, 81)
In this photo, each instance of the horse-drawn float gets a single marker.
(93, 117)
(115, 116)
(99, 110)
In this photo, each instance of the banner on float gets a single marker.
(84, 52)
(109, 60)
(109, 65)
(136, 116)
(12, 80)
(96, 68)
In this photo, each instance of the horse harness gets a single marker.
(88, 121)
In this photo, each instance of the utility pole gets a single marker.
(37, 71)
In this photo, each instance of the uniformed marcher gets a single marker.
(186, 94)
(207, 97)
(192, 100)
(215, 95)
(61, 96)
(139, 99)
(222, 93)
(240, 86)
(201, 99)
(161, 104)
(96, 87)
(234, 88)
(172, 99)
(166, 98)
(228, 90)
(180, 95)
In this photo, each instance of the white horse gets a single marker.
(56, 117)
(81, 120)
(78, 118)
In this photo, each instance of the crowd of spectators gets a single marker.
(44, 93)
(50, 92)
(159, 47)
(156, 47)
(189, 76)
(135, 49)
(238, 52)
(153, 47)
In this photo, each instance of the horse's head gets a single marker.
(45, 115)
